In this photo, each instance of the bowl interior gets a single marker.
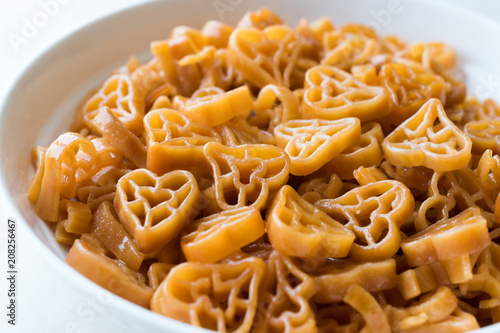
(42, 101)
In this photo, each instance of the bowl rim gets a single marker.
(11, 211)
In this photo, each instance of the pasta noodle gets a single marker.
(266, 178)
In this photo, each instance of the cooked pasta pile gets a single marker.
(266, 178)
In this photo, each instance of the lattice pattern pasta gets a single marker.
(267, 178)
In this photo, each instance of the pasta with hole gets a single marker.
(265, 177)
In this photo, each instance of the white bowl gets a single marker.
(41, 102)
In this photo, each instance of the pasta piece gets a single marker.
(333, 94)
(434, 308)
(125, 102)
(120, 137)
(157, 272)
(238, 132)
(312, 143)
(459, 321)
(488, 172)
(338, 318)
(153, 209)
(368, 307)
(269, 178)
(365, 176)
(38, 158)
(410, 85)
(462, 235)
(174, 142)
(269, 56)
(74, 216)
(320, 28)
(430, 139)
(285, 286)
(150, 80)
(422, 279)
(489, 110)
(333, 281)
(366, 152)
(260, 249)
(374, 212)
(224, 233)
(162, 102)
(171, 253)
(215, 108)
(67, 162)
(486, 277)
(61, 235)
(104, 188)
(350, 52)
(260, 19)
(186, 79)
(296, 228)
(448, 191)
(107, 158)
(219, 297)
(417, 179)
(217, 33)
(484, 135)
(319, 188)
(425, 53)
(109, 274)
(268, 115)
(106, 227)
(246, 174)
(365, 73)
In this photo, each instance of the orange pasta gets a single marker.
(266, 178)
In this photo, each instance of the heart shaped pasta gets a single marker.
(220, 297)
(346, 53)
(430, 139)
(331, 93)
(484, 135)
(374, 212)
(297, 228)
(155, 209)
(124, 99)
(174, 142)
(312, 143)
(365, 152)
(246, 174)
(269, 56)
(410, 85)
(285, 286)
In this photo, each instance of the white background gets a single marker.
(47, 303)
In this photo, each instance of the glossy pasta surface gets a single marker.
(270, 178)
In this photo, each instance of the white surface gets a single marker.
(46, 301)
